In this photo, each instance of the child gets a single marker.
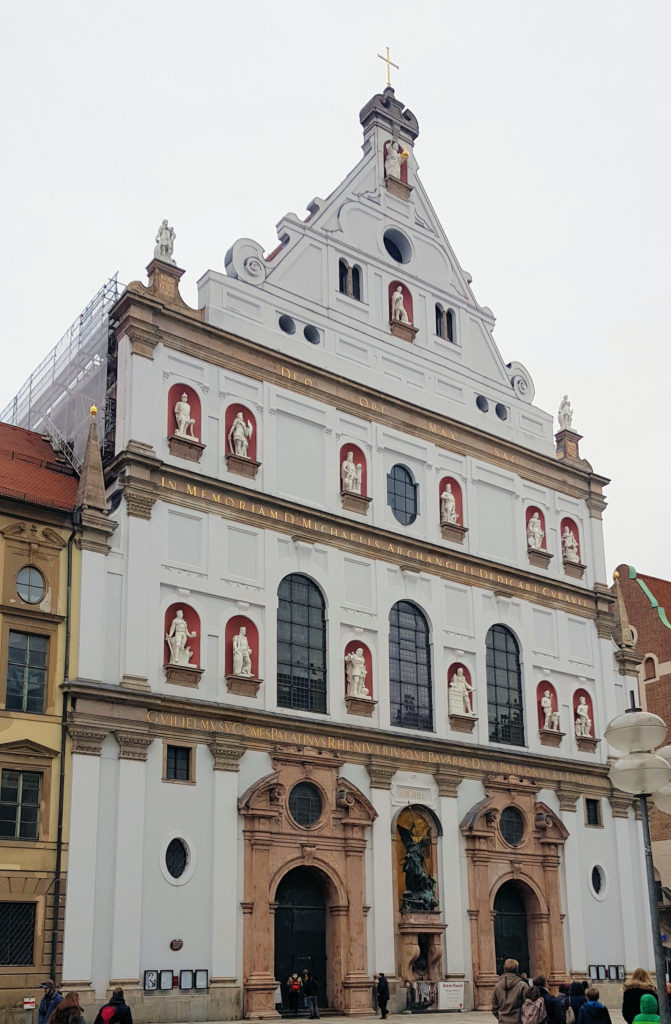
(533, 1008)
(592, 1011)
(649, 1008)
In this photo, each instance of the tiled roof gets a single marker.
(30, 470)
(660, 588)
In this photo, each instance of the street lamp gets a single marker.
(643, 773)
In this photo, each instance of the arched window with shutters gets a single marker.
(301, 645)
(504, 687)
(411, 695)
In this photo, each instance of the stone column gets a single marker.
(384, 896)
(555, 967)
(259, 937)
(575, 930)
(482, 928)
(356, 983)
(82, 857)
(127, 921)
(226, 757)
(450, 896)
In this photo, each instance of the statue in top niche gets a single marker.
(355, 670)
(583, 723)
(565, 414)
(550, 716)
(448, 506)
(242, 654)
(350, 474)
(398, 310)
(393, 160)
(177, 639)
(420, 887)
(535, 532)
(239, 436)
(569, 546)
(165, 243)
(459, 697)
(185, 422)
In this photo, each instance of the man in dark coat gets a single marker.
(116, 1011)
(382, 995)
(554, 1007)
(49, 1001)
(311, 992)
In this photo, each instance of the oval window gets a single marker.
(176, 857)
(511, 824)
(30, 585)
(305, 804)
(598, 880)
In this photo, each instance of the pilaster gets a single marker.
(129, 854)
(382, 880)
(226, 920)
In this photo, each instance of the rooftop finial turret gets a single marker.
(390, 64)
(384, 109)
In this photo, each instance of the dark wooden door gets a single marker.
(300, 930)
(510, 927)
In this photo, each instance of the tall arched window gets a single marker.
(356, 283)
(504, 687)
(449, 324)
(402, 494)
(410, 667)
(301, 645)
(342, 277)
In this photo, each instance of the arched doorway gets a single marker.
(510, 927)
(300, 929)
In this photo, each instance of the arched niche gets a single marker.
(400, 329)
(460, 704)
(451, 519)
(585, 731)
(404, 163)
(415, 834)
(359, 702)
(242, 460)
(246, 685)
(550, 733)
(186, 669)
(185, 444)
(534, 511)
(355, 497)
(537, 547)
(571, 548)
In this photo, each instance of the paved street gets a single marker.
(466, 1017)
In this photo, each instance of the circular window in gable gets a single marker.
(30, 585)
(511, 824)
(305, 804)
(397, 245)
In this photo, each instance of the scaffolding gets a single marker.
(57, 397)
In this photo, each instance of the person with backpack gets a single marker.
(311, 991)
(649, 1010)
(509, 993)
(295, 988)
(592, 1011)
(116, 1011)
(68, 1011)
(576, 996)
(638, 985)
(533, 1008)
(48, 1002)
(554, 1006)
(382, 995)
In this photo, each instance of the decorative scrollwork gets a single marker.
(254, 266)
(521, 381)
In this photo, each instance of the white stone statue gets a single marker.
(569, 546)
(448, 506)
(165, 243)
(185, 422)
(550, 715)
(398, 311)
(239, 436)
(459, 700)
(242, 654)
(350, 474)
(177, 638)
(583, 723)
(355, 669)
(393, 160)
(565, 414)
(535, 532)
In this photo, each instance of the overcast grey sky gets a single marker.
(544, 146)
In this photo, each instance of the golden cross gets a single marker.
(390, 64)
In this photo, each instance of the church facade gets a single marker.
(346, 661)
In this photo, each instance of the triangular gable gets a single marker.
(27, 749)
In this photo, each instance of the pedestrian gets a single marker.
(592, 1011)
(48, 1002)
(68, 1010)
(554, 1006)
(295, 987)
(576, 996)
(382, 995)
(311, 992)
(638, 985)
(533, 1008)
(116, 1011)
(649, 1010)
(509, 993)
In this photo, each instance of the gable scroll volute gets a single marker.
(264, 800)
(358, 810)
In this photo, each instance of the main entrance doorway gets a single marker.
(510, 927)
(300, 930)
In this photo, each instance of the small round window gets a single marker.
(30, 585)
(176, 857)
(511, 824)
(305, 804)
(397, 245)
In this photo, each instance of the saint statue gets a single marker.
(185, 422)
(551, 717)
(165, 243)
(569, 546)
(420, 887)
(583, 723)
(350, 475)
(448, 506)
(459, 700)
(535, 532)
(565, 414)
(239, 436)
(177, 638)
(242, 654)
(393, 160)
(355, 669)
(398, 311)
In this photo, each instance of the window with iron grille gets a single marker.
(27, 672)
(301, 645)
(17, 933)
(19, 804)
(176, 857)
(592, 812)
(511, 824)
(504, 687)
(402, 495)
(410, 667)
(178, 764)
(305, 804)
